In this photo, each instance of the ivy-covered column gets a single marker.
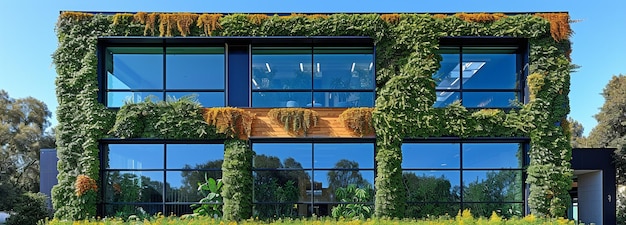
(549, 172)
(237, 178)
(82, 120)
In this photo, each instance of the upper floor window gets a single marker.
(482, 73)
(136, 73)
(312, 76)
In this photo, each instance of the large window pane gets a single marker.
(281, 210)
(489, 68)
(195, 68)
(118, 99)
(343, 68)
(135, 156)
(183, 185)
(134, 186)
(344, 156)
(282, 186)
(282, 155)
(195, 156)
(328, 181)
(430, 155)
(281, 68)
(492, 155)
(134, 67)
(432, 186)
(492, 186)
(281, 99)
(490, 99)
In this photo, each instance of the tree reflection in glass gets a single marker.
(278, 186)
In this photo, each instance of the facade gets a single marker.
(426, 114)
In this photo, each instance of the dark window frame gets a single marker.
(522, 50)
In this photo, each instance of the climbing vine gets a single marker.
(406, 57)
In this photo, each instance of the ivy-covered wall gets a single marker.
(406, 47)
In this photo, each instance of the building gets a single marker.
(467, 111)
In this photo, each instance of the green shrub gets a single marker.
(31, 207)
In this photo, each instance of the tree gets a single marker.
(576, 130)
(611, 130)
(343, 178)
(23, 123)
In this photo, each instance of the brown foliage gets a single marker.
(559, 25)
(83, 184)
(233, 122)
(295, 120)
(358, 120)
(391, 18)
(480, 17)
(209, 22)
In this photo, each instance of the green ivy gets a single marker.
(406, 58)
(238, 181)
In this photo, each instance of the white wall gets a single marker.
(590, 197)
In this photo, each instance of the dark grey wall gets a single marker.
(599, 159)
(48, 172)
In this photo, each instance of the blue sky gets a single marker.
(27, 39)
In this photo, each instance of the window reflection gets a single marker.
(134, 67)
(492, 186)
(195, 68)
(432, 186)
(287, 155)
(195, 156)
(344, 156)
(134, 186)
(119, 98)
(182, 186)
(132, 156)
(206, 99)
(490, 99)
(492, 74)
(430, 155)
(305, 70)
(328, 181)
(492, 155)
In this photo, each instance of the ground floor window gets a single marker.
(143, 178)
(441, 178)
(301, 179)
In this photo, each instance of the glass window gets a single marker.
(328, 181)
(195, 68)
(182, 186)
(312, 77)
(135, 68)
(281, 68)
(282, 186)
(484, 70)
(479, 76)
(195, 156)
(492, 186)
(134, 186)
(430, 155)
(490, 99)
(344, 156)
(206, 99)
(135, 156)
(492, 155)
(432, 185)
(114, 210)
(118, 99)
(343, 68)
(446, 77)
(282, 155)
